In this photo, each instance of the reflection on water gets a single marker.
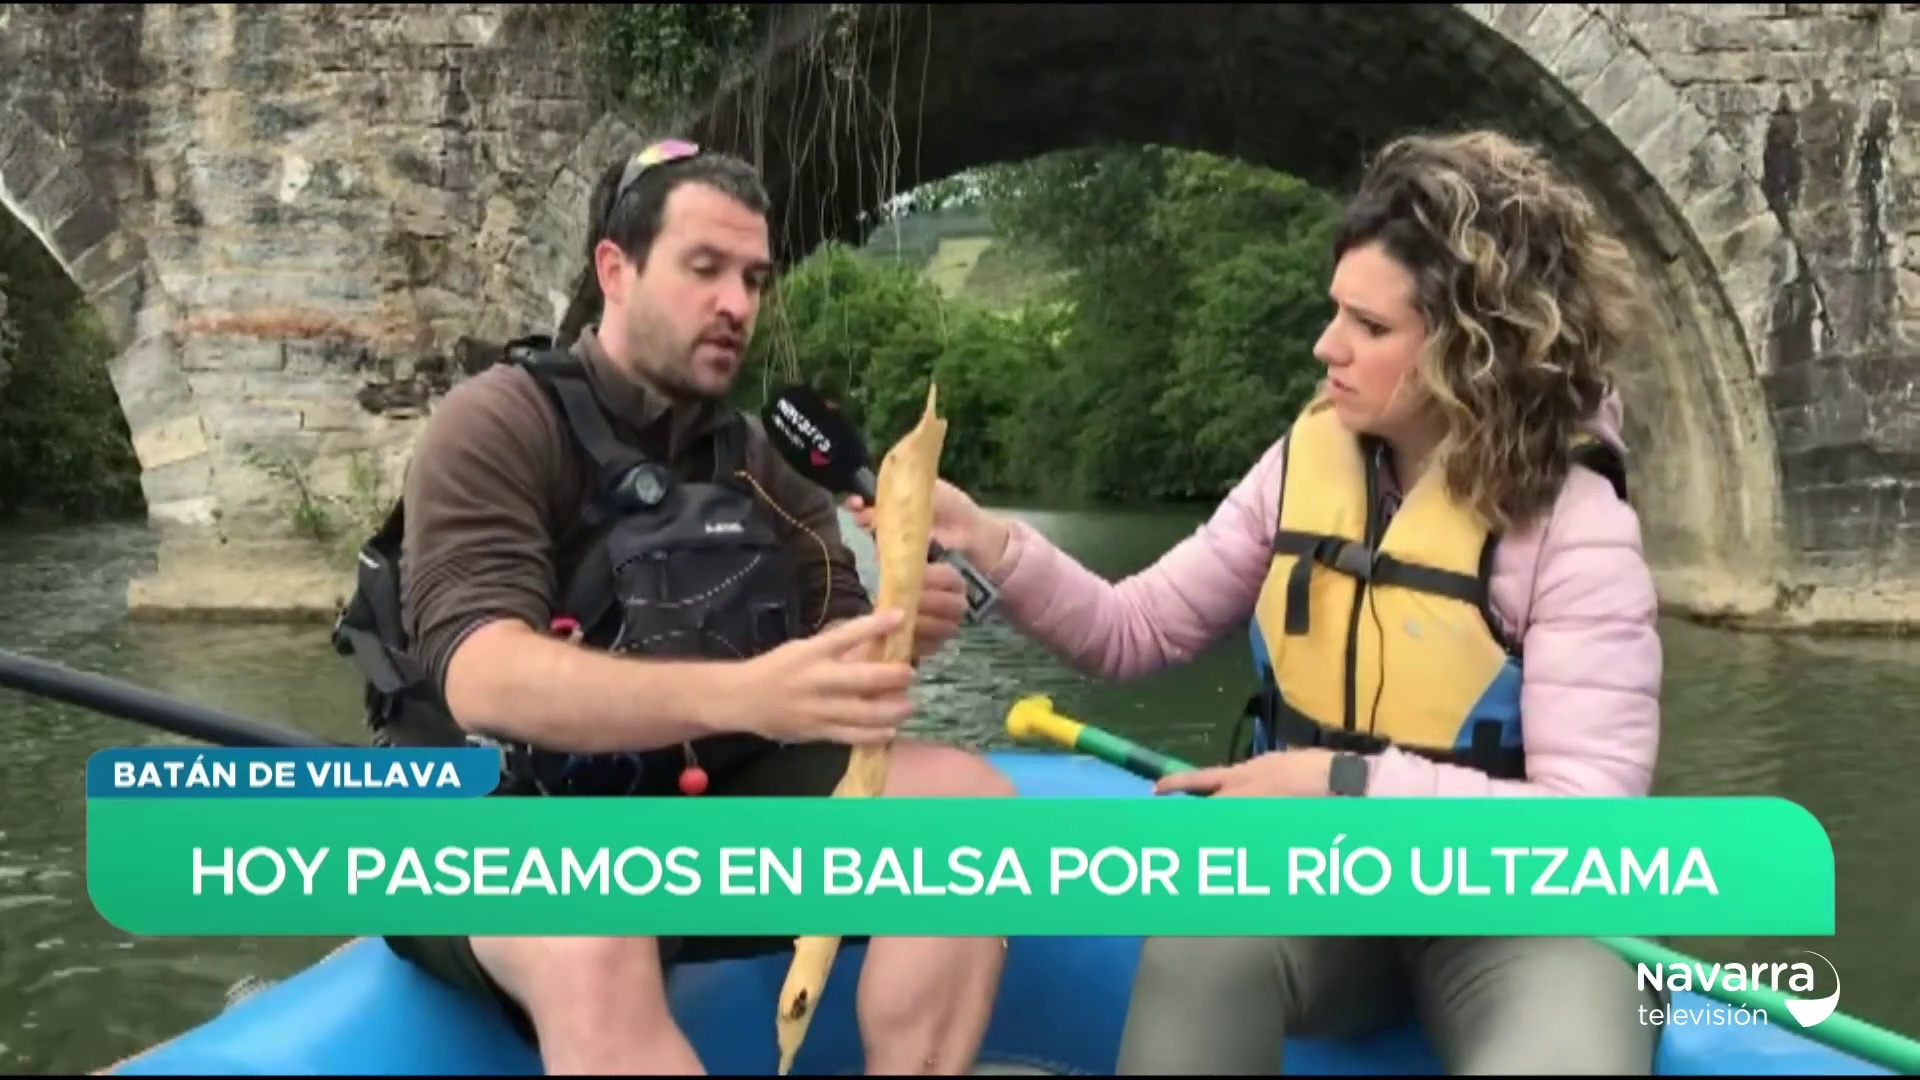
(1818, 723)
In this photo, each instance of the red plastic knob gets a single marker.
(693, 780)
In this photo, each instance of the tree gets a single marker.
(1175, 349)
(64, 445)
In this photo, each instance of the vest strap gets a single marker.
(1454, 586)
(1285, 727)
(390, 670)
(1365, 565)
(563, 375)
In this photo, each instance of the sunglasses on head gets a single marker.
(664, 152)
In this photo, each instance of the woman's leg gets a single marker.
(1224, 1005)
(1532, 1005)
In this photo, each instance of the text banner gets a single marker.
(334, 866)
(353, 772)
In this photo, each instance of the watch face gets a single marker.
(1349, 775)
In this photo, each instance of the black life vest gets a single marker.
(667, 566)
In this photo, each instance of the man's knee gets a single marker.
(577, 976)
(935, 770)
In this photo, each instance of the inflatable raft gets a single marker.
(1062, 1002)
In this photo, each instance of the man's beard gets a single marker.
(676, 381)
(670, 368)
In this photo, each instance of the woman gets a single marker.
(1478, 302)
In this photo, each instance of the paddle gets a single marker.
(130, 702)
(1034, 719)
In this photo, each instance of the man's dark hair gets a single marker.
(633, 221)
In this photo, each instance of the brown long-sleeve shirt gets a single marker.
(496, 485)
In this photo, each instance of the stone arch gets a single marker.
(843, 105)
(50, 187)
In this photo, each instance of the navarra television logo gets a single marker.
(1791, 981)
(1811, 1011)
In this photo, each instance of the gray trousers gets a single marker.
(1223, 1005)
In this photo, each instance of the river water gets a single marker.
(1826, 724)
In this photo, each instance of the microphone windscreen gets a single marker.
(814, 438)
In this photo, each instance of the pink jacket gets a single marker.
(1575, 591)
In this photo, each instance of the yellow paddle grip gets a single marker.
(1032, 719)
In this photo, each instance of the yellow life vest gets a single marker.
(1367, 637)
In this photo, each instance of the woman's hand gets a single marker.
(958, 525)
(1300, 773)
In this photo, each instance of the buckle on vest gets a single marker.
(1351, 559)
(643, 487)
(1354, 560)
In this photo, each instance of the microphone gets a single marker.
(817, 441)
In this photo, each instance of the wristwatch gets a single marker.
(1348, 774)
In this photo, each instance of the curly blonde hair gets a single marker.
(1528, 299)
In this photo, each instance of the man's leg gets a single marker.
(1532, 1006)
(923, 1002)
(599, 1005)
(594, 1006)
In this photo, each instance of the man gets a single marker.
(757, 680)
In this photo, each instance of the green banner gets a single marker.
(338, 866)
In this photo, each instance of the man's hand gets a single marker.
(821, 688)
(1299, 773)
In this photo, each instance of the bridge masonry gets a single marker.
(1821, 103)
(295, 219)
(286, 214)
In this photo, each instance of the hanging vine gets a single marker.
(845, 90)
(839, 86)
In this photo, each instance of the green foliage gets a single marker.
(64, 445)
(870, 333)
(336, 524)
(1174, 352)
(657, 55)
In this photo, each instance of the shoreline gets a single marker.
(312, 593)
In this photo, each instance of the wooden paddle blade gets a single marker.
(902, 527)
(903, 523)
(800, 995)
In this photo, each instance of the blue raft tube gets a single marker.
(1062, 1002)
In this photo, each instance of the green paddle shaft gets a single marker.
(1128, 755)
(1848, 1034)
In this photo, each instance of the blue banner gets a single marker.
(463, 772)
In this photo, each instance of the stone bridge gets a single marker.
(291, 217)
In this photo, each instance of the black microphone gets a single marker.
(814, 438)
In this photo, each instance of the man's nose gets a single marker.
(735, 300)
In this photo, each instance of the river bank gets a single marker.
(287, 582)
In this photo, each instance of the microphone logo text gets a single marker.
(798, 429)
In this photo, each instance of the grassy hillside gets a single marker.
(956, 251)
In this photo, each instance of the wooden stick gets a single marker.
(902, 527)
